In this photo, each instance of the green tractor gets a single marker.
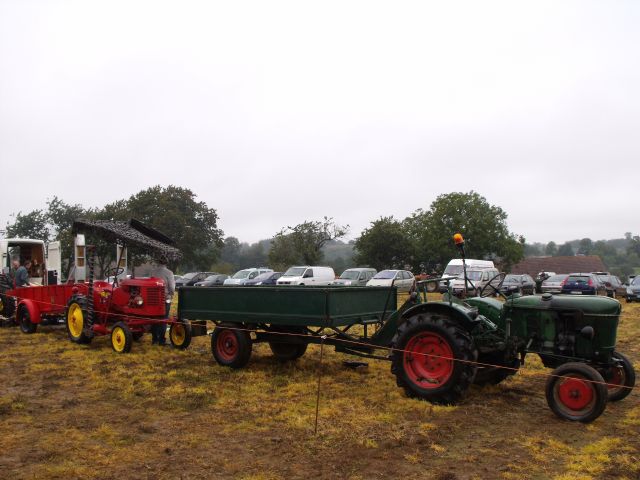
(441, 348)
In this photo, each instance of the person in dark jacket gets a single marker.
(21, 275)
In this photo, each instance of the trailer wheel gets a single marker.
(230, 347)
(623, 375)
(180, 334)
(285, 351)
(572, 394)
(495, 375)
(121, 338)
(24, 320)
(433, 358)
(74, 319)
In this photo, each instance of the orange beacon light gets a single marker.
(458, 239)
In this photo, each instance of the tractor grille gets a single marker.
(155, 296)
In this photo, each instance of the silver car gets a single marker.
(553, 284)
(355, 277)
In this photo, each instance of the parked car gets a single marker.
(582, 284)
(633, 290)
(454, 269)
(553, 284)
(402, 279)
(191, 278)
(612, 284)
(267, 278)
(355, 277)
(523, 284)
(212, 280)
(307, 275)
(478, 279)
(243, 276)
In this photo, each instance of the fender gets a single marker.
(465, 316)
(32, 308)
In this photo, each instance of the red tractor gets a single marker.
(124, 309)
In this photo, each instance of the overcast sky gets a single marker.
(278, 112)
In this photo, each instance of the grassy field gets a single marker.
(70, 411)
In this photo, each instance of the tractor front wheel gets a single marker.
(24, 320)
(75, 320)
(180, 334)
(433, 358)
(576, 391)
(121, 338)
(621, 378)
(231, 347)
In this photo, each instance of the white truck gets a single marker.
(46, 260)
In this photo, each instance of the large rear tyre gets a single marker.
(75, 319)
(433, 358)
(623, 375)
(230, 347)
(121, 338)
(180, 334)
(24, 320)
(576, 392)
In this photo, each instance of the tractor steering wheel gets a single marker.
(115, 271)
(495, 288)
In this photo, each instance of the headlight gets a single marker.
(259, 283)
(629, 291)
(138, 301)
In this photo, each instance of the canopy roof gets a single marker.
(132, 234)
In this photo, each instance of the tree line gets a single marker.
(420, 242)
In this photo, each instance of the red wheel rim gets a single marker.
(227, 345)
(428, 360)
(574, 394)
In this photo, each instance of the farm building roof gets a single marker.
(132, 233)
(573, 264)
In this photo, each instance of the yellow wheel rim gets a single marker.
(118, 339)
(75, 320)
(177, 334)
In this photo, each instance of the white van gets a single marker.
(454, 269)
(243, 276)
(307, 275)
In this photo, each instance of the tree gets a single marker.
(34, 224)
(176, 212)
(551, 249)
(585, 247)
(565, 250)
(303, 243)
(230, 251)
(483, 225)
(384, 244)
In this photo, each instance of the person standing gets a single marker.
(21, 275)
(162, 272)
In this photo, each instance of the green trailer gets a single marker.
(437, 349)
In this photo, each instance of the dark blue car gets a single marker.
(582, 284)
(268, 278)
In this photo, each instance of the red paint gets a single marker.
(227, 345)
(575, 393)
(428, 360)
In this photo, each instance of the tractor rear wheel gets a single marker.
(433, 358)
(7, 306)
(75, 319)
(285, 351)
(623, 375)
(576, 391)
(121, 338)
(231, 347)
(24, 320)
(180, 334)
